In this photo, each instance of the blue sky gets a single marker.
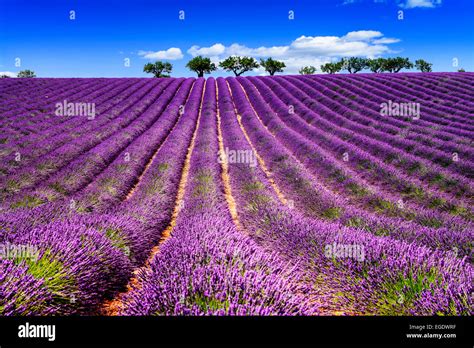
(105, 33)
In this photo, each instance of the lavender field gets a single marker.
(279, 195)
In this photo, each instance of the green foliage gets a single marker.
(117, 238)
(27, 202)
(26, 73)
(376, 65)
(396, 64)
(58, 188)
(332, 68)
(461, 70)
(253, 186)
(207, 303)
(430, 222)
(357, 189)
(436, 202)
(158, 69)
(4, 76)
(423, 65)
(239, 65)
(458, 210)
(201, 65)
(307, 70)
(52, 271)
(332, 213)
(204, 183)
(272, 66)
(163, 166)
(383, 206)
(397, 295)
(355, 64)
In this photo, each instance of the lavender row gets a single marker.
(133, 234)
(307, 194)
(59, 160)
(66, 267)
(372, 94)
(441, 159)
(207, 266)
(341, 179)
(434, 110)
(376, 169)
(433, 175)
(407, 137)
(50, 124)
(32, 130)
(380, 278)
(23, 111)
(153, 199)
(403, 96)
(316, 200)
(455, 89)
(84, 168)
(81, 129)
(18, 95)
(54, 137)
(113, 184)
(456, 103)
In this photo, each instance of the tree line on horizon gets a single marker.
(241, 64)
(377, 65)
(23, 73)
(203, 65)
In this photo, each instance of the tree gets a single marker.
(394, 65)
(332, 68)
(158, 69)
(307, 70)
(26, 73)
(461, 70)
(272, 66)
(355, 64)
(201, 65)
(376, 65)
(4, 76)
(423, 65)
(239, 65)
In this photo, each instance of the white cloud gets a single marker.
(362, 35)
(306, 50)
(214, 50)
(406, 4)
(420, 3)
(337, 46)
(386, 40)
(218, 50)
(8, 73)
(172, 53)
(294, 64)
(274, 51)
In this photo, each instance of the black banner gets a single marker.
(241, 331)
